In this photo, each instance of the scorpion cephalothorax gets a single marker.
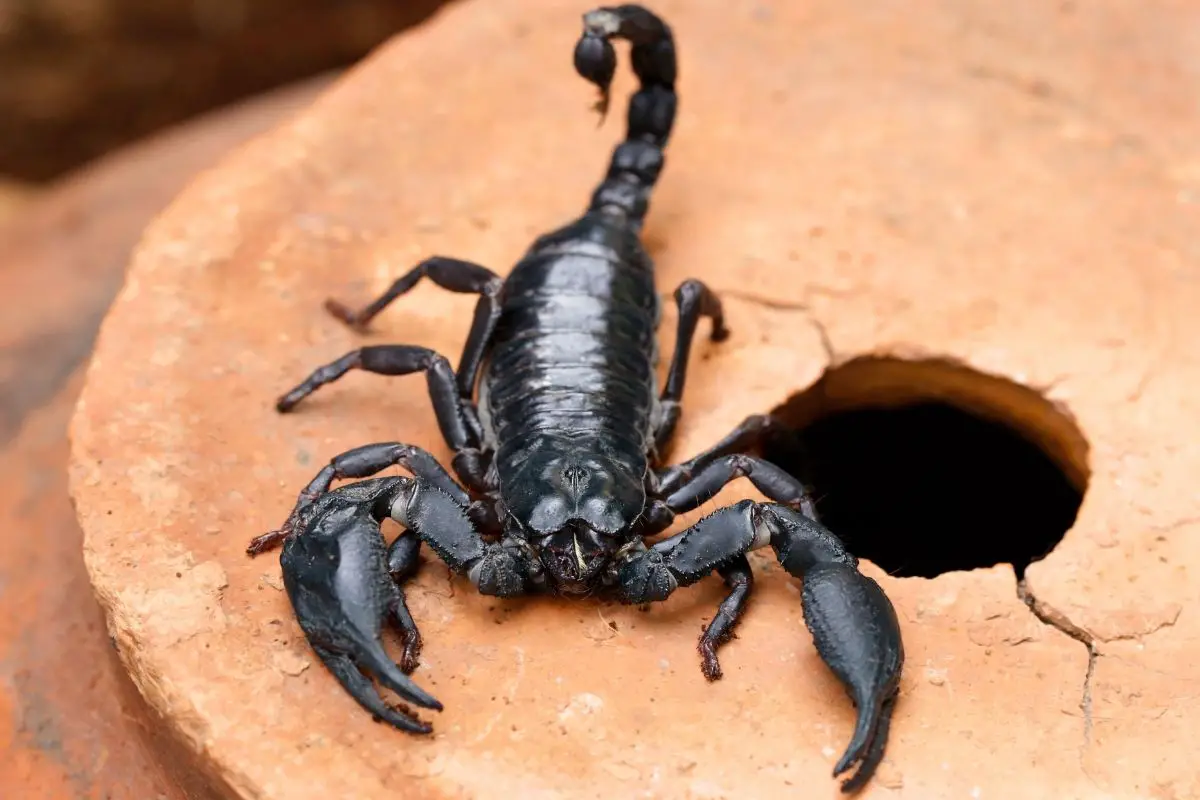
(559, 455)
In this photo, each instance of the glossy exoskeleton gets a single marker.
(555, 420)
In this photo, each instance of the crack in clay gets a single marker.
(768, 302)
(1172, 527)
(823, 335)
(788, 305)
(1167, 622)
(1048, 615)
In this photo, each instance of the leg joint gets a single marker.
(646, 578)
(800, 542)
(503, 570)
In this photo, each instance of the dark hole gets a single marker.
(927, 488)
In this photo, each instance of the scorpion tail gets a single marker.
(637, 162)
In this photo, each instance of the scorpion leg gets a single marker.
(402, 564)
(740, 580)
(694, 300)
(853, 624)
(363, 462)
(772, 482)
(747, 438)
(456, 415)
(452, 274)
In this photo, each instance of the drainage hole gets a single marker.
(925, 487)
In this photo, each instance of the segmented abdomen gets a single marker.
(574, 352)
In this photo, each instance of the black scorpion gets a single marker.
(559, 456)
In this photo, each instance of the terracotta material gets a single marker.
(1013, 189)
(12, 196)
(71, 723)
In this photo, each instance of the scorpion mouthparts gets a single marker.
(579, 556)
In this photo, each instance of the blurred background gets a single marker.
(79, 78)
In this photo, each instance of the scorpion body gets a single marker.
(567, 399)
(557, 423)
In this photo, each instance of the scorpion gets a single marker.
(559, 455)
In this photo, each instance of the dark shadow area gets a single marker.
(925, 485)
(79, 80)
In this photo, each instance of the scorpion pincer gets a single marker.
(556, 422)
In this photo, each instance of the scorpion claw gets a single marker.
(867, 749)
(335, 572)
(359, 687)
(857, 634)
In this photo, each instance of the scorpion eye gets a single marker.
(596, 60)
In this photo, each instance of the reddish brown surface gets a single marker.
(12, 197)
(1009, 186)
(71, 723)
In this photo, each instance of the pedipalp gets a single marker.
(854, 626)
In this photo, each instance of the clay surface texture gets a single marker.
(1013, 189)
(72, 725)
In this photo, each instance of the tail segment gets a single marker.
(637, 162)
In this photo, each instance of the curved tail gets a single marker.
(637, 162)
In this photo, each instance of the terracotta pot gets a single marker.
(989, 203)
